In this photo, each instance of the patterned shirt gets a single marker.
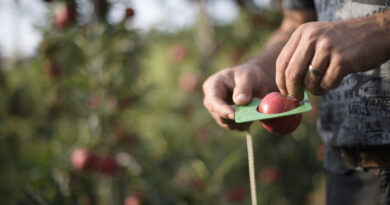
(357, 112)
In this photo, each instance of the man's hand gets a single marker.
(238, 85)
(335, 49)
(254, 79)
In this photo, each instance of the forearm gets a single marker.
(379, 25)
(382, 20)
(370, 36)
(335, 49)
(266, 60)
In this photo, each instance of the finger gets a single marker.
(320, 62)
(216, 92)
(333, 75)
(297, 67)
(283, 60)
(219, 121)
(218, 106)
(242, 93)
(230, 124)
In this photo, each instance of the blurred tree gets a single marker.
(131, 102)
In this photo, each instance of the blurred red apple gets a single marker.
(84, 160)
(269, 175)
(198, 185)
(129, 13)
(203, 133)
(53, 70)
(108, 165)
(237, 194)
(124, 136)
(259, 20)
(65, 16)
(189, 82)
(133, 199)
(95, 100)
(277, 103)
(125, 102)
(177, 53)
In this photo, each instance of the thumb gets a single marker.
(242, 92)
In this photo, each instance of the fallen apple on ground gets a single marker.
(274, 103)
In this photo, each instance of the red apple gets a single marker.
(53, 70)
(177, 53)
(108, 165)
(129, 13)
(189, 82)
(237, 194)
(125, 102)
(270, 175)
(84, 160)
(133, 199)
(198, 185)
(65, 16)
(124, 136)
(277, 103)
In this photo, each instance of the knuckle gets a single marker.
(325, 45)
(325, 87)
(341, 61)
(204, 88)
(206, 84)
(302, 27)
(280, 63)
(205, 103)
(311, 32)
(292, 76)
(330, 84)
(309, 85)
(223, 125)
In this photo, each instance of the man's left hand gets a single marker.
(333, 49)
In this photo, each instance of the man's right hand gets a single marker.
(238, 85)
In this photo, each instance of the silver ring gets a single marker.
(315, 71)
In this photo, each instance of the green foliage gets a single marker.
(137, 96)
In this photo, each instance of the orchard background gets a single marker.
(106, 114)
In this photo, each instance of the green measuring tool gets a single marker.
(248, 113)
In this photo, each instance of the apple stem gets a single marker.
(251, 163)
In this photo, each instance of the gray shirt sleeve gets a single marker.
(298, 4)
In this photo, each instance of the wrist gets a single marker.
(383, 20)
(378, 27)
(264, 75)
(371, 35)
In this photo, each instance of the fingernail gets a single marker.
(231, 116)
(241, 98)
